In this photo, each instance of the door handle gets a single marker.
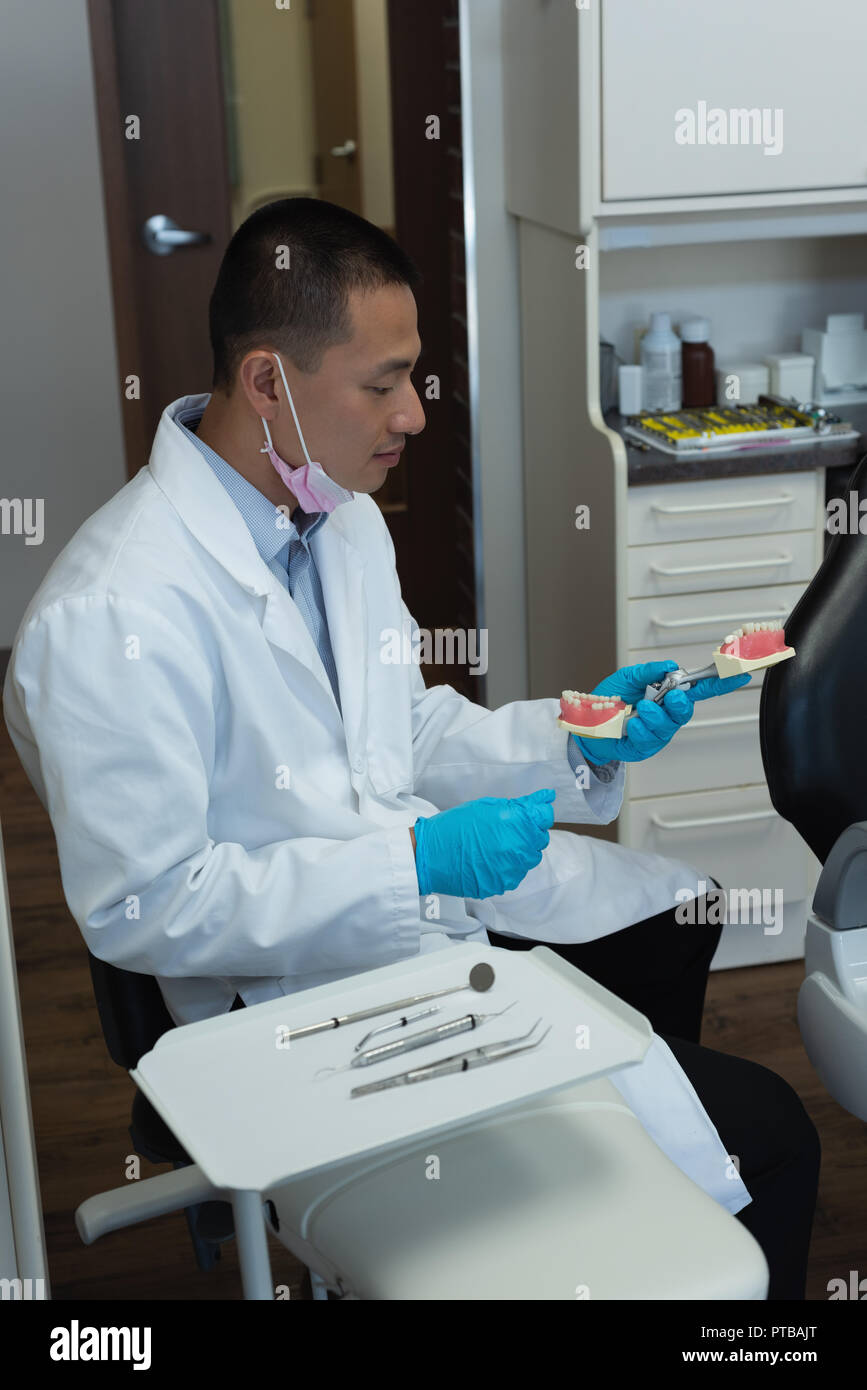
(162, 235)
(344, 151)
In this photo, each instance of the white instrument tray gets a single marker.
(247, 1109)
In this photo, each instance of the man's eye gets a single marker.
(381, 390)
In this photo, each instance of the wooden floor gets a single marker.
(81, 1100)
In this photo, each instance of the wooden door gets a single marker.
(163, 145)
(335, 102)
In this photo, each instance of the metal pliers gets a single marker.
(678, 680)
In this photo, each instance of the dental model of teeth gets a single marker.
(594, 716)
(752, 647)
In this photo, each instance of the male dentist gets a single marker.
(249, 801)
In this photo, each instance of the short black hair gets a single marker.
(298, 301)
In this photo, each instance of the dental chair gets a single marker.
(811, 720)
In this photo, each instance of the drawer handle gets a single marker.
(718, 618)
(710, 820)
(722, 506)
(718, 723)
(725, 565)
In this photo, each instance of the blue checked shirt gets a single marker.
(285, 548)
(286, 551)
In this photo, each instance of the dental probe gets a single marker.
(481, 979)
(460, 1061)
(430, 1035)
(398, 1023)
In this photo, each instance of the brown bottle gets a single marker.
(699, 384)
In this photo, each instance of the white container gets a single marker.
(840, 351)
(791, 375)
(629, 390)
(741, 383)
(661, 366)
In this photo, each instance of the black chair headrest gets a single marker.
(813, 707)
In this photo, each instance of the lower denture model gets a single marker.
(595, 716)
(751, 648)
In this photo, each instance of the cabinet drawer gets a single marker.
(734, 836)
(731, 563)
(719, 747)
(705, 617)
(758, 505)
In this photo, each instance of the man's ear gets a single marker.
(257, 379)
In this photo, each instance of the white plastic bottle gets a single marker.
(662, 383)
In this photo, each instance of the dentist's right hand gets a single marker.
(484, 847)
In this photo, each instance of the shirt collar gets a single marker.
(271, 529)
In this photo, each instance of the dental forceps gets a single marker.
(459, 1061)
(678, 680)
(674, 680)
(430, 1035)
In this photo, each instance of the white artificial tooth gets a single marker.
(730, 638)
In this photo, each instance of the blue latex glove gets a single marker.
(654, 724)
(484, 847)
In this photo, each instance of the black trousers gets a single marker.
(661, 968)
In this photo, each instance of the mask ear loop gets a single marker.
(270, 444)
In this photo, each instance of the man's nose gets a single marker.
(411, 419)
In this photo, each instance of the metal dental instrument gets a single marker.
(460, 1061)
(430, 1035)
(399, 1023)
(481, 979)
(674, 680)
(678, 680)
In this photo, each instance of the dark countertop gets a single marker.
(654, 466)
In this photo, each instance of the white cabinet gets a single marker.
(691, 564)
(623, 110)
(769, 113)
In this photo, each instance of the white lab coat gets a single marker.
(218, 824)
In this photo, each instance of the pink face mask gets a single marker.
(316, 492)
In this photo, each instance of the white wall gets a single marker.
(757, 294)
(59, 383)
